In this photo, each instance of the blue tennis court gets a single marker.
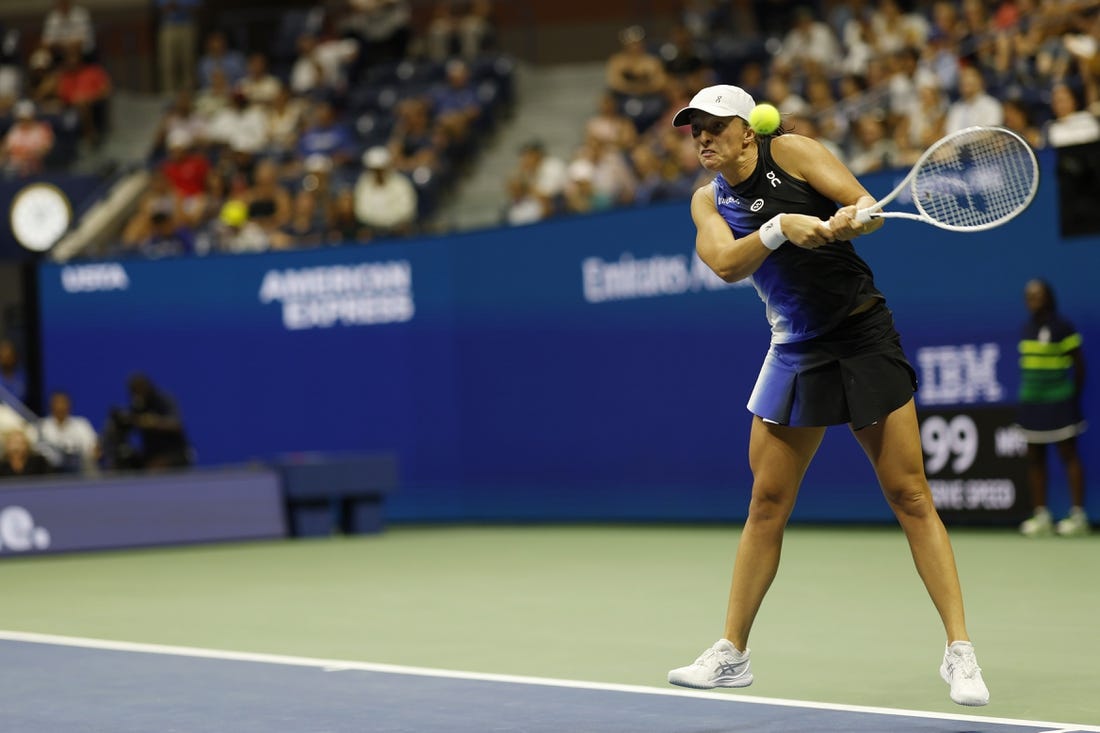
(59, 684)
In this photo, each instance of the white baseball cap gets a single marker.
(376, 158)
(721, 100)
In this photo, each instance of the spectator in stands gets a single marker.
(159, 200)
(344, 226)
(187, 169)
(11, 71)
(68, 26)
(258, 85)
(241, 127)
(269, 203)
(780, 94)
(71, 437)
(219, 57)
(42, 75)
(455, 105)
(634, 71)
(581, 196)
(893, 30)
(1070, 125)
(383, 28)
(85, 86)
(212, 99)
(326, 135)
(922, 124)
(809, 46)
(153, 418)
(546, 174)
(871, 150)
(414, 142)
(322, 64)
(476, 29)
(1019, 119)
(27, 143)
(13, 377)
(651, 185)
(284, 123)
(20, 459)
(974, 106)
(168, 236)
(183, 117)
(307, 225)
(524, 205)
(609, 125)
(859, 43)
(441, 36)
(385, 200)
(234, 232)
(612, 179)
(683, 56)
(906, 76)
(176, 44)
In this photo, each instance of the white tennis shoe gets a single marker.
(1074, 525)
(1038, 524)
(720, 666)
(960, 670)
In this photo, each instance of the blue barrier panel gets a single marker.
(72, 513)
(582, 368)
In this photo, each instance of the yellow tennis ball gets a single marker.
(764, 119)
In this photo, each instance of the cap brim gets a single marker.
(683, 117)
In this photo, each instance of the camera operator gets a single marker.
(153, 419)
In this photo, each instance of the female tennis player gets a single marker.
(771, 214)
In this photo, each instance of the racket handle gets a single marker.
(864, 215)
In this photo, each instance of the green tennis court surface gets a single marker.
(847, 621)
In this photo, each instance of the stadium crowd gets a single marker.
(876, 82)
(349, 128)
(54, 98)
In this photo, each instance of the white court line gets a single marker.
(344, 664)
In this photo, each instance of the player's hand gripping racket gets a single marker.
(970, 180)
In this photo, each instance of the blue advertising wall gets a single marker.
(582, 368)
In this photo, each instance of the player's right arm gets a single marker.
(734, 259)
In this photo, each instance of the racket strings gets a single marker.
(975, 179)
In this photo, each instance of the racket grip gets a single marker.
(864, 215)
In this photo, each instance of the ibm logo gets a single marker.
(959, 375)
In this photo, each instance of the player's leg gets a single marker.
(893, 446)
(778, 456)
(1039, 523)
(1077, 522)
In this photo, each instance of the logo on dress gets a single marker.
(757, 205)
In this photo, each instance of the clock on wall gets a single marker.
(40, 215)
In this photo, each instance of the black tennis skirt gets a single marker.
(857, 373)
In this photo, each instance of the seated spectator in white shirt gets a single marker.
(71, 436)
(810, 44)
(259, 86)
(974, 106)
(385, 200)
(26, 145)
(1070, 125)
(68, 25)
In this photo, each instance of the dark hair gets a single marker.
(1048, 291)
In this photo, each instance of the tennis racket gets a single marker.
(974, 179)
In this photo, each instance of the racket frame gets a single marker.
(875, 212)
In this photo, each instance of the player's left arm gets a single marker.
(809, 160)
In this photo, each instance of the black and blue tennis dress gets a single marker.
(1049, 402)
(825, 366)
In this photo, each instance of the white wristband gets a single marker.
(771, 234)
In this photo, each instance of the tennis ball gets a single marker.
(764, 119)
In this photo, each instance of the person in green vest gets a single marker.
(1052, 376)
